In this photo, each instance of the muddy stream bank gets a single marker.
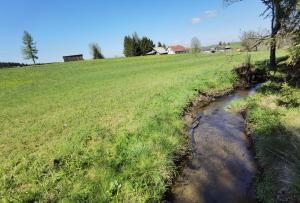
(221, 167)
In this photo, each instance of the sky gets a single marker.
(66, 27)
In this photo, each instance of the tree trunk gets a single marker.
(33, 61)
(275, 27)
(273, 53)
(273, 40)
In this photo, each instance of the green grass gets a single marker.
(275, 126)
(236, 45)
(105, 130)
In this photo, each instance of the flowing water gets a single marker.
(222, 167)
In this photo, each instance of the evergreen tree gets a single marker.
(96, 51)
(136, 49)
(159, 44)
(128, 46)
(29, 49)
(134, 46)
(146, 45)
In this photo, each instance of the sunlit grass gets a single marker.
(105, 130)
(276, 132)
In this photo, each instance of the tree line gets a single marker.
(11, 65)
(136, 46)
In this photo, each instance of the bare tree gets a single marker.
(251, 39)
(247, 40)
(282, 14)
(195, 45)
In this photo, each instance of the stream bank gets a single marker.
(221, 167)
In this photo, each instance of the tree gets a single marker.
(29, 49)
(134, 46)
(282, 14)
(159, 44)
(220, 43)
(96, 51)
(136, 42)
(128, 46)
(146, 45)
(195, 45)
(249, 40)
(164, 46)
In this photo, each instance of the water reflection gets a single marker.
(222, 168)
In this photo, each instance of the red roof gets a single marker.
(178, 48)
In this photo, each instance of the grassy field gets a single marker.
(105, 130)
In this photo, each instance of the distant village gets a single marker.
(171, 50)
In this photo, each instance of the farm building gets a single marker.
(228, 48)
(78, 57)
(209, 50)
(177, 49)
(158, 51)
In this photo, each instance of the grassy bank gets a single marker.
(101, 131)
(273, 121)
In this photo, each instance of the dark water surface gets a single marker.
(222, 167)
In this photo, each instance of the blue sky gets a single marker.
(65, 27)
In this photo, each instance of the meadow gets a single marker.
(102, 130)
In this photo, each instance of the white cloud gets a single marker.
(196, 21)
(211, 13)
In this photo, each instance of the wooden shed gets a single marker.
(78, 57)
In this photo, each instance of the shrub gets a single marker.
(269, 88)
(289, 97)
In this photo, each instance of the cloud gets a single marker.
(196, 21)
(211, 13)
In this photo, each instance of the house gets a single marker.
(78, 57)
(177, 49)
(158, 51)
(209, 50)
(227, 47)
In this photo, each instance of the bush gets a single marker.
(269, 88)
(289, 97)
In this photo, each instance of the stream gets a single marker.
(222, 167)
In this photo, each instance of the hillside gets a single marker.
(103, 130)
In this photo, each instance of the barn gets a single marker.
(78, 57)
